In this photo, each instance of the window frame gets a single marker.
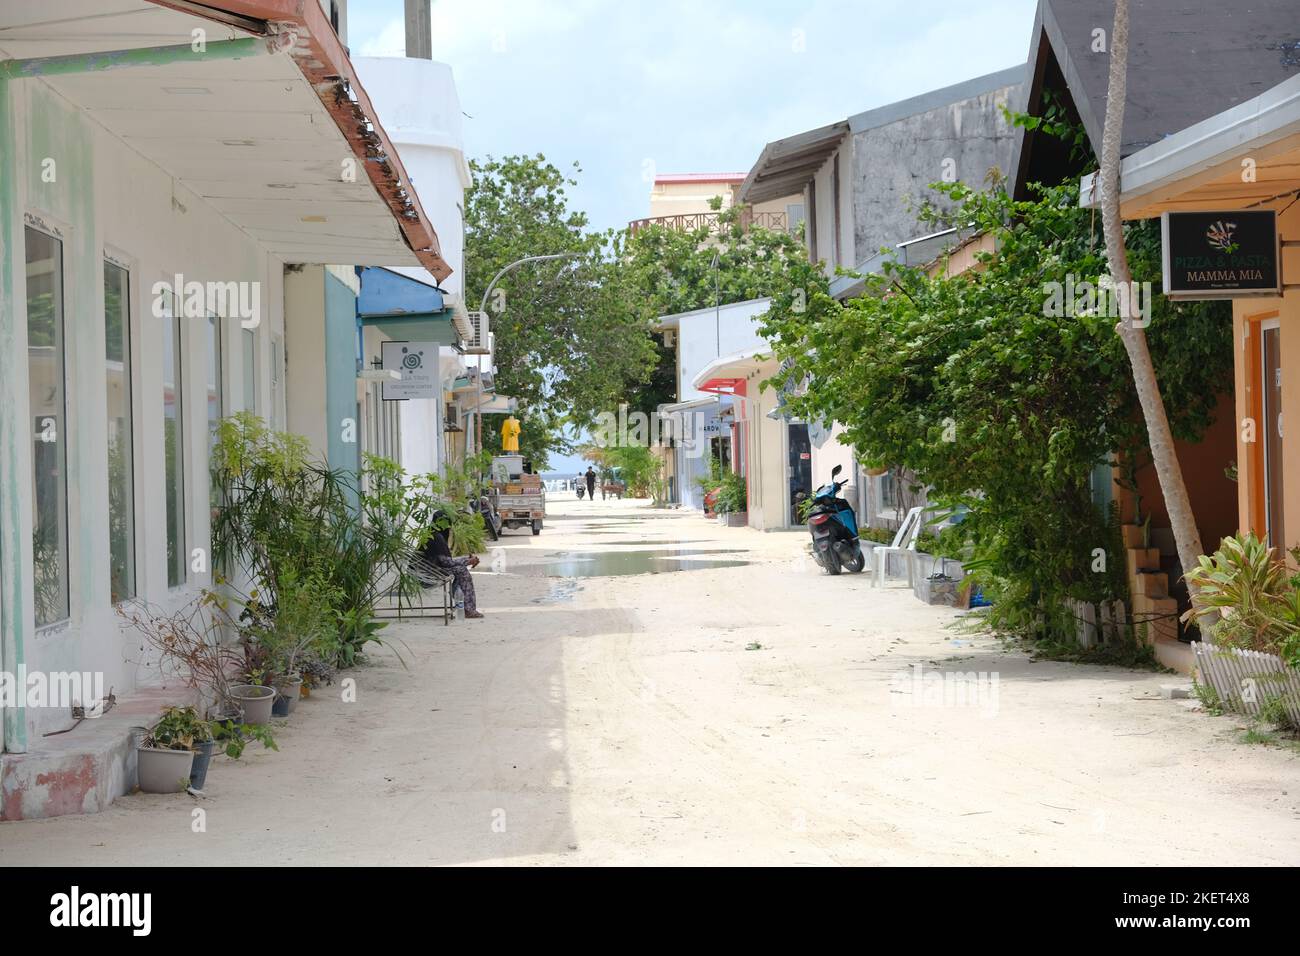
(174, 314)
(111, 255)
(54, 229)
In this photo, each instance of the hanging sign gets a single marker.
(417, 362)
(1220, 255)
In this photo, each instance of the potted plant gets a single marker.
(277, 640)
(731, 501)
(188, 644)
(166, 758)
(315, 673)
(233, 736)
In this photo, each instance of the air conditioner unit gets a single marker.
(479, 342)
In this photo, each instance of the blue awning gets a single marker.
(404, 308)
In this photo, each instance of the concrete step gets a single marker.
(1151, 583)
(1142, 559)
(1176, 656)
(1158, 614)
(86, 769)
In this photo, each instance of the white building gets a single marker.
(418, 102)
(709, 420)
(216, 148)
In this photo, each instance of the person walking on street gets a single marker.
(591, 483)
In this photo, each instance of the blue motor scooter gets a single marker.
(834, 529)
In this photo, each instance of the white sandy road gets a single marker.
(621, 720)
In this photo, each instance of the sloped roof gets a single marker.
(1188, 60)
(287, 147)
(787, 165)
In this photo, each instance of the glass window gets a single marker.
(174, 439)
(121, 477)
(277, 369)
(216, 394)
(888, 491)
(45, 345)
(249, 340)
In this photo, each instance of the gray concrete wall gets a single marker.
(894, 163)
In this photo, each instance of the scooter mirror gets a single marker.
(835, 471)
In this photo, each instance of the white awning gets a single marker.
(733, 367)
(286, 147)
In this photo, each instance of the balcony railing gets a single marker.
(687, 222)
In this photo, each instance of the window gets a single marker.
(249, 340)
(216, 391)
(174, 442)
(888, 492)
(793, 217)
(216, 394)
(277, 370)
(121, 472)
(835, 211)
(45, 374)
(810, 231)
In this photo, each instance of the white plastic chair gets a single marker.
(904, 540)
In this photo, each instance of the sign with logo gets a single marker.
(417, 362)
(1220, 255)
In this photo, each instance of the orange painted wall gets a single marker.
(1212, 493)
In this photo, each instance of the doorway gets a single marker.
(1270, 364)
(798, 467)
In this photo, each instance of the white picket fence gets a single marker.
(1245, 680)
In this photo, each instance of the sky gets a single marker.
(631, 88)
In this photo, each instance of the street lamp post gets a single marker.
(478, 403)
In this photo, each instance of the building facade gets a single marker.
(155, 183)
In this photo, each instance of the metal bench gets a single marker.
(433, 581)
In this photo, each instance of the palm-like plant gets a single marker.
(1258, 597)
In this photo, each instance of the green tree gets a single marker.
(669, 270)
(1001, 397)
(568, 339)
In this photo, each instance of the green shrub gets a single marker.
(179, 728)
(1258, 598)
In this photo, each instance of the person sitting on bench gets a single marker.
(437, 553)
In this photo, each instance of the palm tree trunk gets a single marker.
(1159, 437)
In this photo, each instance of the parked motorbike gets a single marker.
(834, 529)
(491, 519)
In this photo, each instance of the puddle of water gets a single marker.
(589, 564)
(565, 589)
(649, 542)
(664, 553)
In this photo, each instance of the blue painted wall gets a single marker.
(341, 374)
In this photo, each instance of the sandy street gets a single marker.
(625, 719)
